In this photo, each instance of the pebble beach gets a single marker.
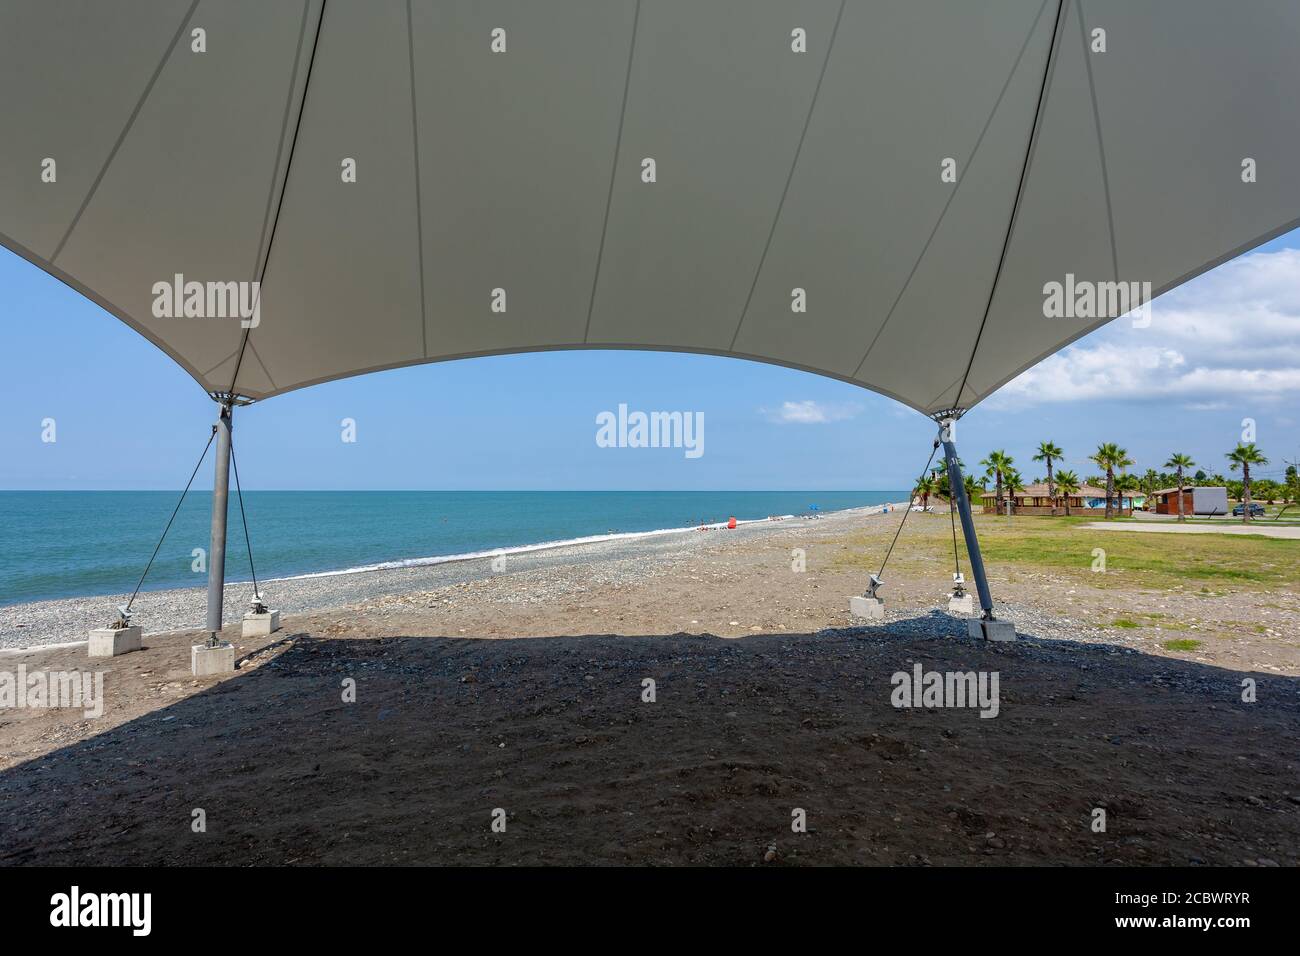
(621, 560)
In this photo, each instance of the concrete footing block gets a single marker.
(261, 625)
(867, 608)
(961, 605)
(112, 641)
(208, 661)
(991, 630)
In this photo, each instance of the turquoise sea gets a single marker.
(56, 544)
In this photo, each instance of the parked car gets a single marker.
(1256, 511)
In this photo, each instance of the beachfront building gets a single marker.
(1196, 501)
(1034, 500)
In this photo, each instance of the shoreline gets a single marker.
(83, 544)
(37, 625)
(510, 550)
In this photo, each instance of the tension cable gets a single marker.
(124, 612)
(257, 597)
(877, 579)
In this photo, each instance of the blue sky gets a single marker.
(1222, 348)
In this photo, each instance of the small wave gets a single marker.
(545, 546)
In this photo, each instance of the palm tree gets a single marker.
(1015, 484)
(1150, 483)
(1126, 483)
(1110, 456)
(998, 464)
(1067, 484)
(1123, 464)
(1048, 451)
(974, 487)
(939, 475)
(925, 488)
(1244, 456)
(1178, 461)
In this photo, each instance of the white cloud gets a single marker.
(1231, 334)
(809, 412)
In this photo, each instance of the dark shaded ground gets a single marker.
(554, 731)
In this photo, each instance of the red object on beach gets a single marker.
(731, 523)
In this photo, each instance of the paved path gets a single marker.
(1276, 531)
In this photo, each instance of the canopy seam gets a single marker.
(284, 188)
(613, 172)
(776, 219)
(121, 137)
(1006, 85)
(1020, 190)
(1101, 145)
(419, 205)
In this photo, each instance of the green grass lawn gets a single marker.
(1157, 559)
(1210, 562)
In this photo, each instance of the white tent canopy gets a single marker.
(1106, 156)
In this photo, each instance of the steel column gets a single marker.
(958, 487)
(217, 546)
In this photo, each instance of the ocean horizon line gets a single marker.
(473, 491)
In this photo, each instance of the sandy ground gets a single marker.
(523, 692)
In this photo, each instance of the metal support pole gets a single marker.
(958, 488)
(217, 548)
